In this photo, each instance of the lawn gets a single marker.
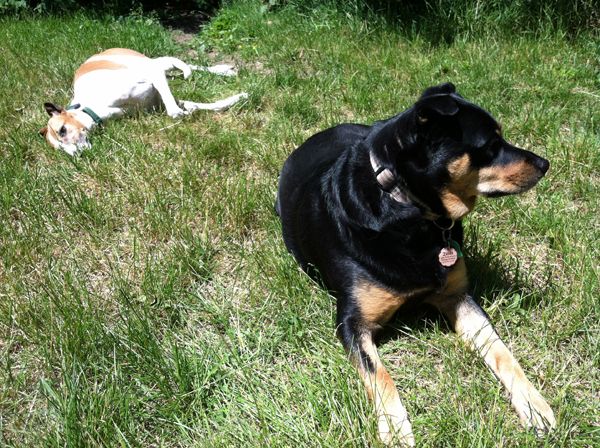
(147, 298)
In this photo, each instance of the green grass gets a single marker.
(146, 296)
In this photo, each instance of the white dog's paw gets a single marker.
(176, 113)
(226, 103)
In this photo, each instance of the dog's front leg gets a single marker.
(162, 87)
(472, 324)
(392, 419)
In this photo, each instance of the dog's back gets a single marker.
(307, 163)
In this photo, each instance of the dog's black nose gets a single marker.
(542, 164)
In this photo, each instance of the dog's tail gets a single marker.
(168, 62)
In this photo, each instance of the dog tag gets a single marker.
(448, 256)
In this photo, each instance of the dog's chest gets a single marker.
(378, 301)
(409, 262)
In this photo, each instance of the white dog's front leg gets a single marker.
(162, 87)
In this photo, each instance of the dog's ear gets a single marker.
(430, 106)
(44, 131)
(446, 88)
(52, 109)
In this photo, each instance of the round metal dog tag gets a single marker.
(448, 256)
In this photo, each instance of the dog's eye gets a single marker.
(62, 131)
(494, 146)
(492, 149)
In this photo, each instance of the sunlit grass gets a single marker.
(147, 299)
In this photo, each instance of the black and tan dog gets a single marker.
(377, 210)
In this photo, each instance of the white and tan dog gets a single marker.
(117, 82)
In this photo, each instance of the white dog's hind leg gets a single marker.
(168, 63)
(220, 69)
(217, 106)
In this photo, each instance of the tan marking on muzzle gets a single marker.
(101, 64)
(511, 178)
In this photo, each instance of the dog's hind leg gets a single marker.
(167, 63)
(219, 69)
(392, 419)
(474, 327)
(217, 106)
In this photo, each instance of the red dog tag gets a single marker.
(448, 256)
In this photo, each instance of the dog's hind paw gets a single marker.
(219, 69)
(222, 69)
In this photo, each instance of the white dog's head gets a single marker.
(64, 131)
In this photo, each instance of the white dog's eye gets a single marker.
(62, 131)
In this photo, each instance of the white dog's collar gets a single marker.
(93, 115)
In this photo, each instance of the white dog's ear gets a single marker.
(52, 109)
(44, 131)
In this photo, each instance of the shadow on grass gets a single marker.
(185, 18)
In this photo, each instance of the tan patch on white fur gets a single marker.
(98, 64)
(377, 304)
(121, 52)
(460, 195)
(512, 178)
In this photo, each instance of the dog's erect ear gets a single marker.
(434, 105)
(447, 88)
(44, 131)
(52, 109)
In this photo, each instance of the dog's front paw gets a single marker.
(395, 430)
(533, 410)
(223, 70)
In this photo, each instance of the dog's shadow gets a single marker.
(490, 278)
